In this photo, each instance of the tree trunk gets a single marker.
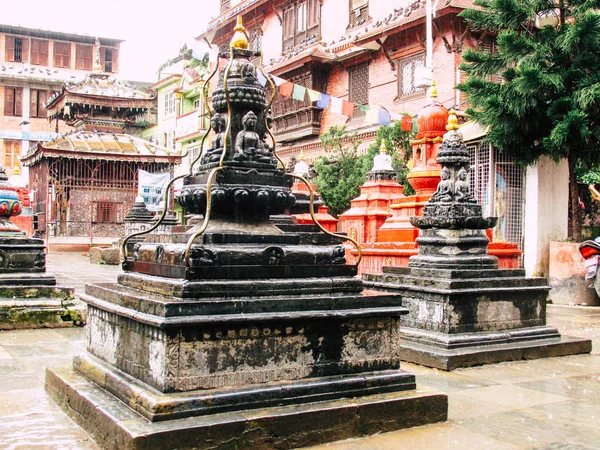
(576, 213)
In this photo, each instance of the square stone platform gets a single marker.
(115, 426)
(467, 317)
(271, 363)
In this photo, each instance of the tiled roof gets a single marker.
(39, 74)
(349, 44)
(98, 145)
(101, 85)
(317, 50)
(230, 15)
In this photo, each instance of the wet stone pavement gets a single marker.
(540, 404)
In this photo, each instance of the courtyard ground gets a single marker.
(541, 404)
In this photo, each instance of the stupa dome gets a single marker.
(433, 117)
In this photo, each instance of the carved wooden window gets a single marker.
(169, 104)
(255, 42)
(62, 54)
(37, 99)
(225, 5)
(11, 152)
(358, 87)
(359, 12)
(406, 75)
(283, 105)
(83, 57)
(39, 52)
(301, 23)
(13, 101)
(109, 59)
(16, 49)
(106, 212)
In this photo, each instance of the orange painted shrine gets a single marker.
(325, 219)
(379, 217)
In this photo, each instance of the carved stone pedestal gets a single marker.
(465, 317)
(29, 297)
(261, 331)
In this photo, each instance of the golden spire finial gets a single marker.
(432, 93)
(301, 155)
(16, 170)
(452, 121)
(383, 147)
(239, 39)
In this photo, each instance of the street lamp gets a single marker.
(424, 75)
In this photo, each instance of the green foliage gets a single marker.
(341, 173)
(548, 103)
(398, 144)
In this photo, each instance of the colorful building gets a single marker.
(35, 64)
(181, 117)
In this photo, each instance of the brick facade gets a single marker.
(399, 25)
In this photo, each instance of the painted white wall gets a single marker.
(546, 212)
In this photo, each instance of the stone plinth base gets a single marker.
(32, 300)
(490, 353)
(115, 426)
(461, 318)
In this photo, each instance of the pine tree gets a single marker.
(549, 100)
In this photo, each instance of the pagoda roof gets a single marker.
(19, 71)
(60, 35)
(229, 16)
(359, 40)
(101, 145)
(99, 89)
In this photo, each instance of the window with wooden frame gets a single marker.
(13, 101)
(37, 99)
(358, 87)
(170, 140)
(225, 5)
(39, 52)
(406, 75)
(255, 42)
(62, 54)
(109, 58)
(16, 49)
(169, 103)
(359, 12)
(83, 56)
(301, 22)
(10, 153)
(106, 212)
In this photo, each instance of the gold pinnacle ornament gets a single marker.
(239, 39)
(452, 121)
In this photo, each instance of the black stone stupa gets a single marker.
(29, 296)
(250, 336)
(464, 310)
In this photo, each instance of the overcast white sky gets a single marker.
(153, 31)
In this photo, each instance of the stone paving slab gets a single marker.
(550, 404)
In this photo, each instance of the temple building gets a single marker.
(85, 182)
(363, 51)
